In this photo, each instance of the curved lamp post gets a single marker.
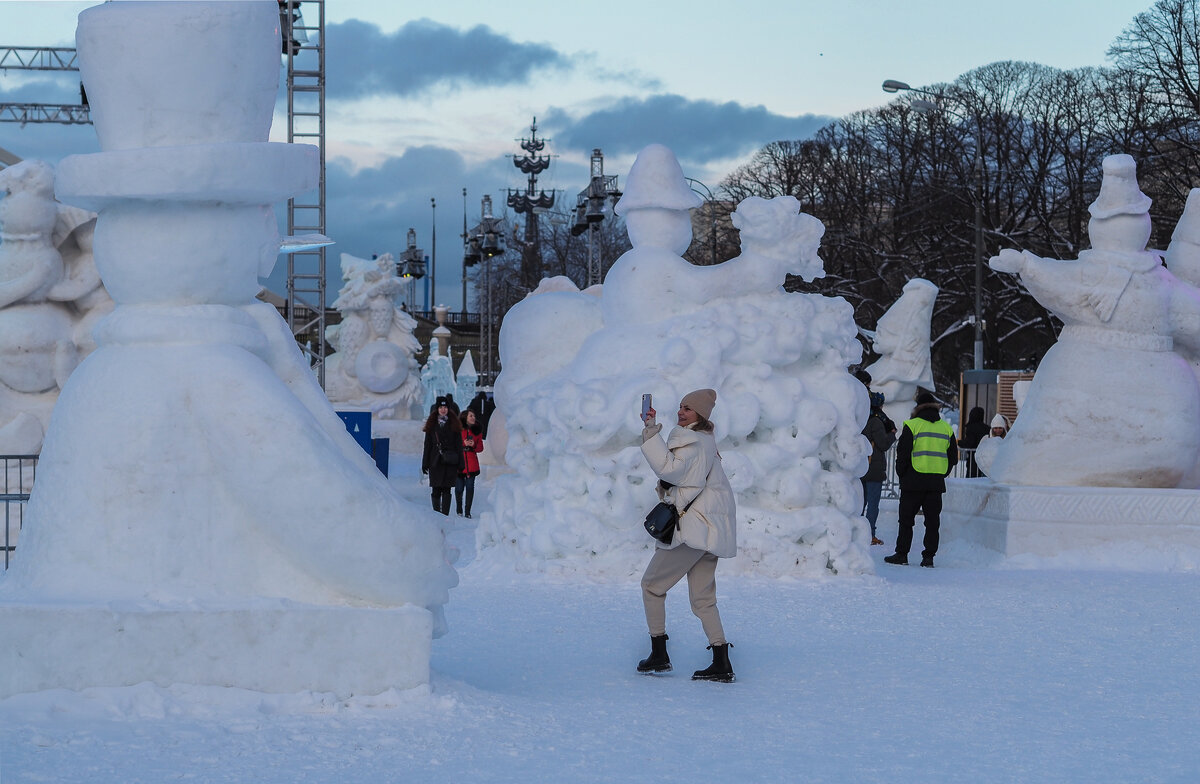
(923, 106)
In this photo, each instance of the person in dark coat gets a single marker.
(925, 456)
(881, 432)
(472, 441)
(973, 432)
(442, 457)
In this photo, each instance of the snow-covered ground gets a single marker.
(976, 671)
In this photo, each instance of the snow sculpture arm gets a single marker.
(33, 279)
(1068, 288)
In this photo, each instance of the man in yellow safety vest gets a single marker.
(925, 456)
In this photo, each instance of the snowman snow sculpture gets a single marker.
(374, 366)
(902, 339)
(1112, 405)
(1183, 260)
(201, 515)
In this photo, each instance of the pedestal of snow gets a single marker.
(200, 513)
(1052, 521)
(788, 416)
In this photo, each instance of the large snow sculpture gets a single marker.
(50, 297)
(1112, 405)
(200, 513)
(901, 338)
(788, 415)
(374, 367)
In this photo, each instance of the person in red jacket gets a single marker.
(472, 439)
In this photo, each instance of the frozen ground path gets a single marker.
(971, 672)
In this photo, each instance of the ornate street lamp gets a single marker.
(938, 105)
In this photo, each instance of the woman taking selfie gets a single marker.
(692, 479)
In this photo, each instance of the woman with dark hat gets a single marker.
(690, 477)
(442, 457)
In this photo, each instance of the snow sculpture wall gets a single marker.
(788, 415)
(50, 298)
(1112, 404)
(200, 514)
(902, 340)
(374, 367)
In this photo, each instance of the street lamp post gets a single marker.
(893, 86)
(712, 215)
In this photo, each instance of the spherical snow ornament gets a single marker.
(656, 181)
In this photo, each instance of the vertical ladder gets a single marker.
(306, 125)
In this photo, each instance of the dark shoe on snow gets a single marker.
(658, 660)
(927, 562)
(720, 670)
(900, 559)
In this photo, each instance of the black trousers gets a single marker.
(466, 483)
(441, 499)
(911, 502)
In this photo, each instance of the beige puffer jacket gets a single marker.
(684, 461)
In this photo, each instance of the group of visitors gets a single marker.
(925, 455)
(976, 432)
(450, 458)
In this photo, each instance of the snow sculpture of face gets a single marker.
(655, 227)
(1120, 232)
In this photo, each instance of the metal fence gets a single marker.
(19, 473)
(891, 483)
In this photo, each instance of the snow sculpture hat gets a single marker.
(656, 181)
(701, 401)
(1000, 421)
(1119, 191)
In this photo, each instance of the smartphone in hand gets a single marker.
(645, 406)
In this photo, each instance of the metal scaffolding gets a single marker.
(304, 48)
(42, 58)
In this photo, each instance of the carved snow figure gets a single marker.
(50, 297)
(201, 515)
(789, 419)
(1112, 405)
(374, 366)
(437, 376)
(1183, 260)
(901, 338)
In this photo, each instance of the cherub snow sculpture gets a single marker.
(50, 297)
(374, 365)
(789, 419)
(1112, 405)
(902, 339)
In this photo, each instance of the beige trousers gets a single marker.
(668, 567)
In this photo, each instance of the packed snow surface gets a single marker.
(980, 670)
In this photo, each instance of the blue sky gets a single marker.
(425, 99)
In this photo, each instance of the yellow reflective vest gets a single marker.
(931, 443)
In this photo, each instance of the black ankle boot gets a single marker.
(658, 661)
(720, 670)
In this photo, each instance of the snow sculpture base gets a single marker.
(278, 647)
(1047, 521)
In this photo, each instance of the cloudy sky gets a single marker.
(426, 99)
